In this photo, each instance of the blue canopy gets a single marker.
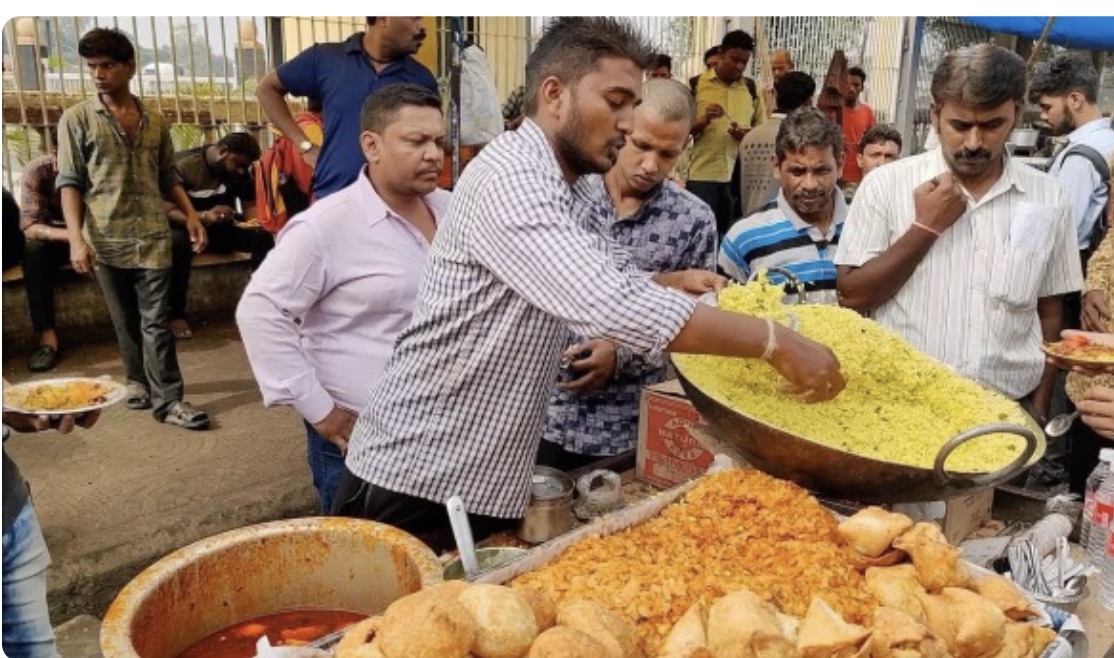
(1088, 32)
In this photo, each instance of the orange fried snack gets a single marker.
(740, 529)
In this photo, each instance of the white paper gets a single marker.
(1031, 226)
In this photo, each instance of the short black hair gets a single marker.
(857, 72)
(106, 42)
(383, 105)
(572, 46)
(313, 104)
(793, 90)
(712, 52)
(806, 128)
(241, 143)
(981, 76)
(737, 39)
(1064, 74)
(661, 59)
(880, 134)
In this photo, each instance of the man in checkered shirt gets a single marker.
(517, 265)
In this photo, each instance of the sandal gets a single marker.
(43, 358)
(180, 329)
(183, 414)
(138, 397)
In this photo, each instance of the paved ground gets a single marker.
(118, 497)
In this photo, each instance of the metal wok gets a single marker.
(833, 472)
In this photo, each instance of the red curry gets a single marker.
(288, 628)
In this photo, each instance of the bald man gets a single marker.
(781, 62)
(594, 412)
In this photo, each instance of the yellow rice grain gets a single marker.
(899, 406)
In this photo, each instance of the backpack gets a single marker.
(283, 180)
(1103, 169)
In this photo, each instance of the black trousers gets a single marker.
(425, 519)
(224, 237)
(721, 199)
(554, 456)
(1083, 453)
(42, 261)
(138, 302)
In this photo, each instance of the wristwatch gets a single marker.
(305, 146)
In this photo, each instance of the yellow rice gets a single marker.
(899, 406)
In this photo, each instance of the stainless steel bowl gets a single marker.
(550, 512)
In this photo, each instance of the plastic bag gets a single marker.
(481, 115)
(601, 491)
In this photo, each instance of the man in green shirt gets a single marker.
(115, 164)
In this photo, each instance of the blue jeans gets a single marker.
(27, 629)
(326, 463)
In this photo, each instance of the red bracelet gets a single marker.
(927, 228)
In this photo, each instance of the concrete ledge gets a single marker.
(217, 282)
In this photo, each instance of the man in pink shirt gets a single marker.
(320, 316)
(856, 120)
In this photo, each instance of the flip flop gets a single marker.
(182, 331)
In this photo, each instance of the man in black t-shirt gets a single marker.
(218, 180)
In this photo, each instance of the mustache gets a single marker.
(972, 156)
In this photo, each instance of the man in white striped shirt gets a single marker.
(519, 263)
(960, 250)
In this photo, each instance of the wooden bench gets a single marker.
(216, 284)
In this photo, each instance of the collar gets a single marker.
(376, 209)
(1092, 126)
(651, 199)
(1010, 177)
(710, 74)
(354, 45)
(587, 188)
(103, 109)
(839, 213)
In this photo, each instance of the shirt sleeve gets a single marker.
(732, 260)
(299, 76)
(524, 231)
(291, 280)
(701, 251)
(866, 231)
(1079, 179)
(1064, 273)
(72, 171)
(168, 168)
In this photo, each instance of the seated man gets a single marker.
(220, 186)
(46, 251)
(665, 229)
(801, 233)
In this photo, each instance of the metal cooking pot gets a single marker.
(1025, 138)
(842, 474)
(550, 512)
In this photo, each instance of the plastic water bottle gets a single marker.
(1106, 577)
(1100, 521)
(1094, 481)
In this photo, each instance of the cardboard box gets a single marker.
(668, 454)
(958, 517)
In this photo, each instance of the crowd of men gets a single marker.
(438, 342)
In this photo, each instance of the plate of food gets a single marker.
(1083, 348)
(63, 395)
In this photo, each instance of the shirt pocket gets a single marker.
(1017, 275)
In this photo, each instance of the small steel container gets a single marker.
(550, 512)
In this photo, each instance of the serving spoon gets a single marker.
(1059, 425)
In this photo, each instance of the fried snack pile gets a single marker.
(53, 397)
(460, 620)
(899, 406)
(739, 529)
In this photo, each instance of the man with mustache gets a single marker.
(320, 316)
(800, 234)
(594, 411)
(962, 251)
(342, 75)
(520, 261)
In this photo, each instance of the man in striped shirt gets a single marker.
(517, 265)
(960, 250)
(800, 234)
